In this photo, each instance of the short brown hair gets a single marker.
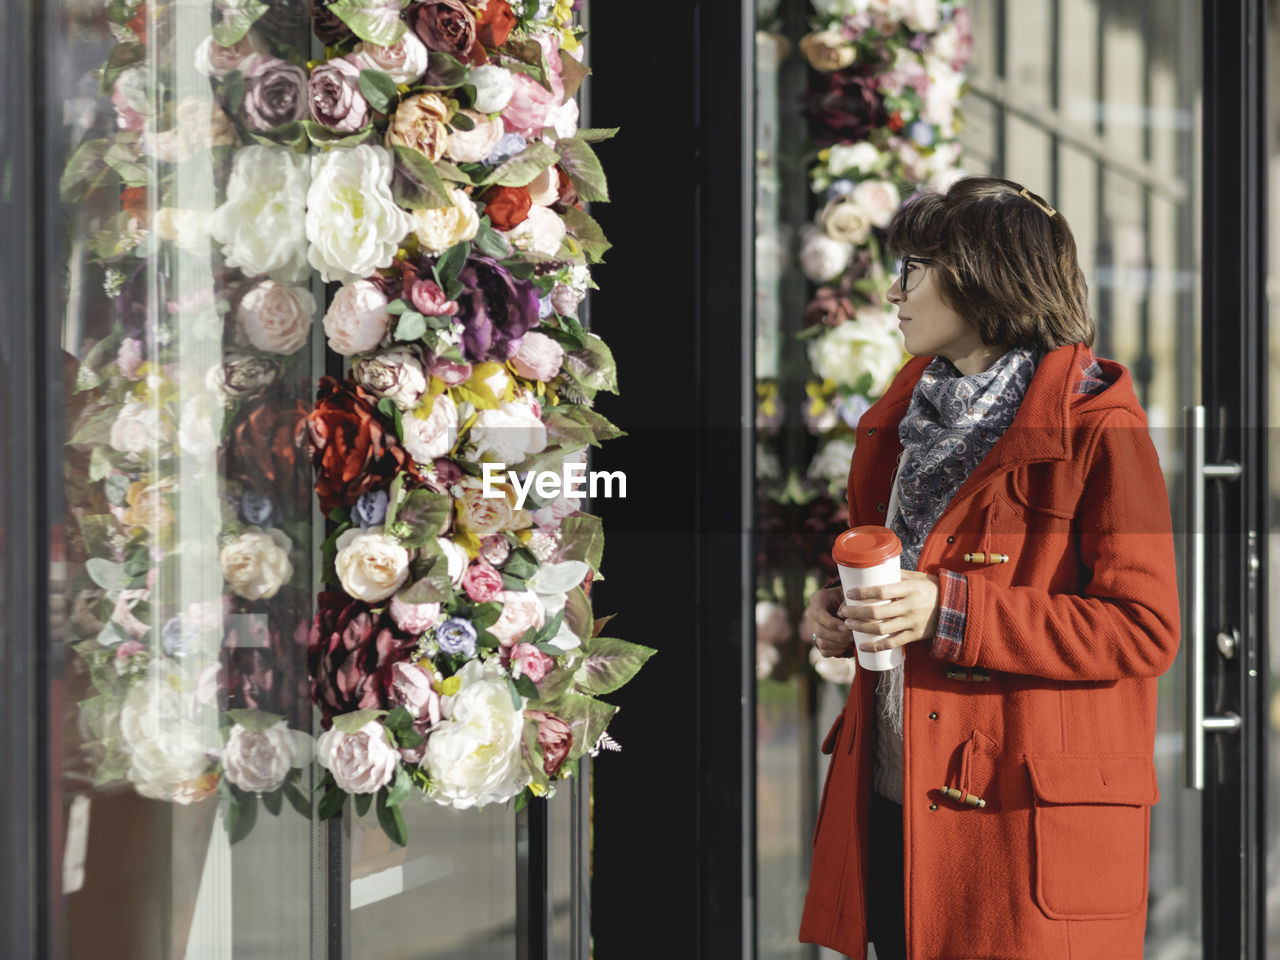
(1001, 261)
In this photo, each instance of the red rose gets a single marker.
(507, 207)
(554, 737)
(263, 445)
(481, 582)
(352, 654)
(353, 449)
(496, 23)
(447, 26)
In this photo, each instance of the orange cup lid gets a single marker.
(867, 546)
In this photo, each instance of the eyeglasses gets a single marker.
(904, 271)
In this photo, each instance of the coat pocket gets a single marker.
(1092, 825)
(829, 744)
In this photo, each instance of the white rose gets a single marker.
(566, 298)
(832, 461)
(395, 374)
(256, 563)
(541, 232)
(361, 762)
(456, 557)
(767, 657)
(538, 357)
(440, 228)
(404, 61)
(357, 319)
(371, 565)
(427, 438)
(565, 119)
(473, 757)
(544, 189)
(274, 317)
(214, 60)
(841, 670)
(920, 15)
(943, 180)
(823, 258)
(198, 124)
(511, 433)
(260, 226)
(199, 429)
(847, 351)
(472, 146)
(167, 734)
(884, 318)
(862, 157)
(521, 609)
(946, 42)
(879, 199)
(138, 429)
(943, 96)
(846, 221)
(258, 760)
(494, 87)
(186, 229)
(352, 221)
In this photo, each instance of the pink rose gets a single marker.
(472, 146)
(429, 300)
(414, 618)
(274, 317)
(129, 358)
(534, 664)
(129, 648)
(555, 737)
(411, 688)
(531, 108)
(538, 357)
(361, 762)
(495, 549)
(481, 582)
(357, 319)
(450, 373)
(214, 60)
(521, 609)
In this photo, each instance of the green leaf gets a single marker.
(411, 326)
(237, 17)
(377, 21)
(587, 719)
(582, 538)
(421, 518)
(597, 134)
(339, 515)
(242, 813)
(393, 499)
(434, 586)
(397, 307)
(583, 167)
(462, 122)
(274, 802)
(569, 334)
(254, 721)
(121, 58)
(610, 664)
(392, 820)
(450, 171)
(352, 722)
(577, 613)
(520, 170)
(331, 803)
(576, 426)
(379, 89)
(109, 576)
(515, 694)
(322, 136)
(233, 90)
(100, 464)
(362, 801)
(297, 799)
(422, 188)
(486, 614)
(593, 366)
(445, 72)
(452, 261)
(572, 75)
(523, 798)
(587, 232)
(398, 792)
(521, 564)
(400, 723)
(491, 243)
(85, 169)
(550, 628)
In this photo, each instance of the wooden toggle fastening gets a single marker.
(967, 676)
(986, 558)
(968, 799)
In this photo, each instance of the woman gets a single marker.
(990, 798)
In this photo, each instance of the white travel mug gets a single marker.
(866, 557)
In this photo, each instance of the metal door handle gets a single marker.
(1194, 636)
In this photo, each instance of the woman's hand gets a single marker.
(823, 626)
(910, 615)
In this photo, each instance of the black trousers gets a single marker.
(886, 909)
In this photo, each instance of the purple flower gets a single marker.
(177, 638)
(508, 146)
(371, 508)
(275, 93)
(457, 636)
(922, 133)
(496, 310)
(336, 100)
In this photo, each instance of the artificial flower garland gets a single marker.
(431, 166)
(883, 110)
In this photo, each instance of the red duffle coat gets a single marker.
(1072, 633)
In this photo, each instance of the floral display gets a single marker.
(430, 170)
(886, 78)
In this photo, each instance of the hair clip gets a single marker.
(1026, 195)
